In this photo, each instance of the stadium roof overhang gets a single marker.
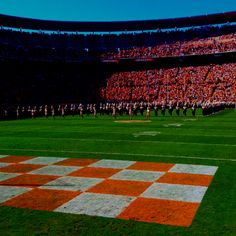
(118, 26)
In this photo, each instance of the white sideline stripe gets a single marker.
(127, 141)
(116, 153)
(105, 132)
(179, 134)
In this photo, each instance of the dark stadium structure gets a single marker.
(54, 62)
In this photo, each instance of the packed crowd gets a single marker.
(200, 84)
(197, 46)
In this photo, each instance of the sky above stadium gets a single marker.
(113, 10)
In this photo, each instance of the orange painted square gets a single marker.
(42, 199)
(184, 178)
(94, 172)
(76, 162)
(120, 187)
(30, 181)
(161, 211)
(20, 168)
(151, 166)
(15, 159)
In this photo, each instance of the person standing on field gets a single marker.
(53, 112)
(130, 112)
(114, 112)
(177, 109)
(185, 109)
(81, 111)
(46, 111)
(148, 113)
(94, 111)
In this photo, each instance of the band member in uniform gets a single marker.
(127, 108)
(24, 112)
(114, 112)
(107, 109)
(124, 108)
(141, 108)
(203, 109)
(53, 112)
(148, 113)
(29, 112)
(170, 108)
(94, 111)
(33, 112)
(130, 112)
(81, 111)
(5, 114)
(72, 109)
(100, 109)
(135, 109)
(104, 109)
(185, 109)
(177, 109)
(156, 109)
(18, 112)
(41, 111)
(63, 112)
(46, 111)
(120, 109)
(91, 108)
(163, 109)
(194, 109)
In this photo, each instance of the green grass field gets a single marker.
(202, 140)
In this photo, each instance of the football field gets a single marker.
(170, 176)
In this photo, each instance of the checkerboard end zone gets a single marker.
(163, 193)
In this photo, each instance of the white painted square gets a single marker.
(72, 183)
(8, 192)
(116, 164)
(138, 175)
(1, 156)
(5, 176)
(106, 205)
(55, 170)
(194, 169)
(177, 192)
(4, 164)
(44, 160)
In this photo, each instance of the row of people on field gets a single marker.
(114, 109)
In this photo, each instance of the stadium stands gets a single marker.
(211, 83)
(79, 47)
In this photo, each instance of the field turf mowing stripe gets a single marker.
(120, 154)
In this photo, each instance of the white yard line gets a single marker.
(116, 153)
(127, 141)
(162, 133)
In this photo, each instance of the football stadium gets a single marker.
(118, 127)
